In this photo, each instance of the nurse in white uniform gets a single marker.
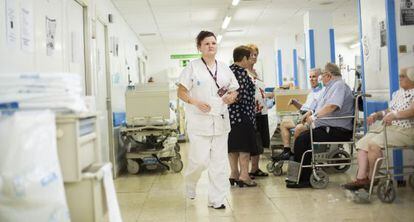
(207, 87)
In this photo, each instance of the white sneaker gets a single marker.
(217, 207)
(190, 194)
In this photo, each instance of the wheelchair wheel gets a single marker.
(278, 171)
(411, 181)
(339, 154)
(270, 167)
(177, 148)
(321, 182)
(177, 155)
(386, 191)
(176, 165)
(132, 166)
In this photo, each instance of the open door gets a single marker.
(103, 94)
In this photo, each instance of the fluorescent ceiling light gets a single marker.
(226, 22)
(353, 46)
(219, 37)
(235, 2)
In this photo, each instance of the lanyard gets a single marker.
(211, 74)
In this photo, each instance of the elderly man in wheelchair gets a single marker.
(335, 102)
(287, 124)
(399, 121)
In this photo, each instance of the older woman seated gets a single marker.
(399, 118)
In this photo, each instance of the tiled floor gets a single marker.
(159, 196)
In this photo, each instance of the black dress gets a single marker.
(242, 137)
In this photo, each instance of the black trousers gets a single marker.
(320, 134)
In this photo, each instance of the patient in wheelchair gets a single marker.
(399, 119)
(300, 126)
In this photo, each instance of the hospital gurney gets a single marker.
(150, 134)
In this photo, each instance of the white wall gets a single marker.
(405, 36)
(162, 68)
(375, 57)
(127, 56)
(320, 22)
(285, 43)
(13, 59)
(348, 65)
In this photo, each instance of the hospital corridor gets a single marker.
(206, 110)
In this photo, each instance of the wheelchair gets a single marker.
(328, 156)
(386, 190)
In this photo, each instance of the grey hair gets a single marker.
(333, 69)
(317, 71)
(409, 72)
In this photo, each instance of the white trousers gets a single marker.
(208, 152)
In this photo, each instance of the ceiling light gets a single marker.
(147, 34)
(355, 45)
(326, 3)
(235, 2)
(226, 22)
(219, 37)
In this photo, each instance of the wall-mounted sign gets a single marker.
(185, 56)
(407, 12)
(50, 35)
(383, 34)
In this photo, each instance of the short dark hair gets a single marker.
(202, 35)
(240, 52)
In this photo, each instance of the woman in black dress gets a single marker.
(242, 140)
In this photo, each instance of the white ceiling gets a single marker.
(175, 23)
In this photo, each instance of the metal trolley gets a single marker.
(151, 147)
(151, 133)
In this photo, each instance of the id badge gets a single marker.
(223, 90)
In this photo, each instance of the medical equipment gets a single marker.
(77, 144)
(150, 134)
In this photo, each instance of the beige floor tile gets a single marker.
(159, 196)
(268, 217)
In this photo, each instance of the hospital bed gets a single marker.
(150, 134)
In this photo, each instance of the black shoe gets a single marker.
(232, 181)
(220, 207)
(258, 173)
(285, 155)
(298, 185)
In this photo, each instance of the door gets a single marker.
(103, 100)
(76, 40)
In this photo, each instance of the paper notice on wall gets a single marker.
(11, 28)
(26, 26)
(50, 35)
(406, 12)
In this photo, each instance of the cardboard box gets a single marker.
(282, 97)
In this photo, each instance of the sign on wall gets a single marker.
(50, 35)
(11, 28)
(407, 12)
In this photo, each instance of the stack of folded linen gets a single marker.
(56, 91)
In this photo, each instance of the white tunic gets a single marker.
(201, 86)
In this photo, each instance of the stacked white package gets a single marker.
(31, 184)
(56, 91)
